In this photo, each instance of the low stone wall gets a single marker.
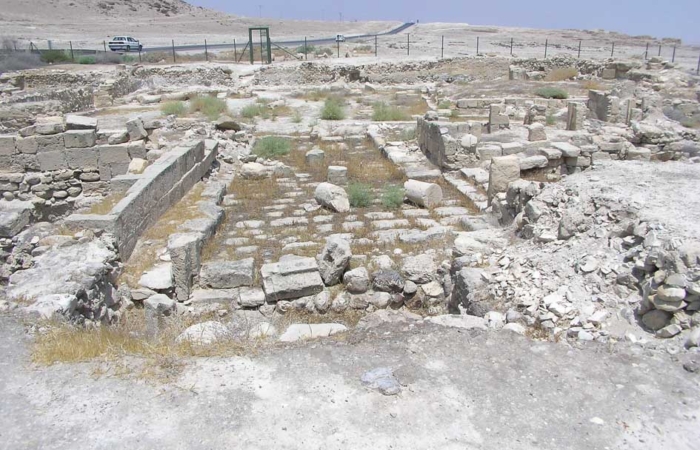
(440, 142)
(151, 193)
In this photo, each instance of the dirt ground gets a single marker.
(460, 390)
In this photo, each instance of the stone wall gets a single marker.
(442, 143)
(151, 193)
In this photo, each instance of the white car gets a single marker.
(124, 44)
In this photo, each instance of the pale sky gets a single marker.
(658, 18)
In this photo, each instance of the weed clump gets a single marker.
(272, 147)
(360, 195)
(54, 56)
(392, 196)
(173, 108)
(211, 107)
(552, 92)
(333, 109)
(86, 60)
(383, 112)
(562, 74)
(253, 111)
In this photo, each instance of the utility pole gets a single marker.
(260, 11)
(340, 15)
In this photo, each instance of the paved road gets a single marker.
(295, 43)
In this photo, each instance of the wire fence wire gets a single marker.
(368, 45)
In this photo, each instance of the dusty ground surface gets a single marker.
(460, 389)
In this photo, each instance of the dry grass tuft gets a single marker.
(105, 206)
(592, 85)
(562, 74)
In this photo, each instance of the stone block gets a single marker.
(550, 153)
(536, 132)
(136, 129)
(512, 148)
(7, 145)
(338, 175)
(567, 150)
(49, 125)
(290, 278)
(14, 216)
(49, 143)
(576, 114)
(81, 158)
(52, 160)
(113, 154)
(79, 138)
(184, 250)
(503, 171)
(426, 195)
(534, 162)
(486, 152)
(27, 145)
(137, 149)
(75, 122)
(609, 74)
(638, 154)
(227, 274)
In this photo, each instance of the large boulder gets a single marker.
(136, 129)
(225, 123)
(290, 278)
(334, 259)
(388, 281)
(332, 197)
(159, 278)
(14, 216)
(426, 195)
(356, 281)
(227, 274)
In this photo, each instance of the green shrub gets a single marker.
(360, 195)
(255, 110)
(407, 134)
(388, 113)
(324, 51)
(445, 104)
(550, 119)
(296, 117)
(271, 147)
(86, 60)
(126, 59)
(364, 48)
(333, 109)
(392, 196)
(211, 107)
(552, 92)
(54, 56)
(176, 108)
(308, 49)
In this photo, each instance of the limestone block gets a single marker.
(184, 250)
(136, 149)
(81, 158)
(567, 150)
(49, 143)
(79, 138)
(536, 132)
(7, 145)
(332, 197)
(488, 151)
(338, 175)
(315, 157)
(223, 274)
(75, 122)
(334, 259)
(503, 170)
(292, 277)
(533, 162)
(136, 129)
(27, 145)
(52, 160)
(426, 195)
(512, 148)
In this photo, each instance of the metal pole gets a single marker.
(511, 46)
(375, 45)
(697, 71)
(659, 49)
(408, 36)
(579, 48)
(262, 56)
(646, 52)
(72, 58)
(673, 58)
(104, 44)
(442, 49)
(338, 43)
(546, 43)
(306, 50)
(235, 52)
(477, 46)
(139, 54)
(206, 51)
(612, 52)
(174, 60)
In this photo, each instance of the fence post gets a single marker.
(306, 50)
(511, 46)
(612, 52)
(72, 58)
(697, 71)
(206, 51)
(442, 48)
(375, 45)
(104, 44)
(408, 37)
(174, 60)
(579, 48)
(235, 52)
(338, 45)
(646, 52)
(477, 46)
(139, 53)
(673, 58)
(546, 44)
(659, 49)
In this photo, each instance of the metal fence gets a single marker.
(391, 44)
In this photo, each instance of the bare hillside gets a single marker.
(156, 22)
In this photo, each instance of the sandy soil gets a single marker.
(460, 390)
